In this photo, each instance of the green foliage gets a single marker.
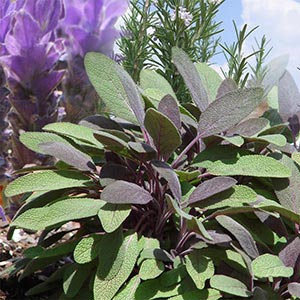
(170, 201)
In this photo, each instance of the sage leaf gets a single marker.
(210, 78)
(200, 268)
(211, 187)
(59, 212)
(164, 133)
(45, 181)
(87, 249)
(226, 86)
(113, 215)
(229, 285)
(287, 190)
(229, 110)
(105, 288)
(240, 233)
(247, 165)
(129, 290)
(206, 294)
(169, 107)
(69, 155)
(151, 268)
(294, 289)
(123, 192)
(74, 131)
(269, 265)
(248, 127)
(191, 77)
(115, 87)
(32, 140)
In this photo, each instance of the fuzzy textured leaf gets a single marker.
(46, 181)
(247, 165)
(106, 289)
(200, 268)
(211, 187)
(206, 294)
(269, 265)
(69, 155)
(113, 215)
(164, 133)
(151, 268)
(249, 127)
(32, 140)
(59, 212)
(115, 87)
(229, 285)
(129, 290)
(87, 249)
(169, 107)
(240, 233)
(210, 78)
(191, 77)
(229, 110)
(75, 131)
(123, 192)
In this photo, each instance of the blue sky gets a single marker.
(279, 20)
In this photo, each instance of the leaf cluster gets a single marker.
(168, 201)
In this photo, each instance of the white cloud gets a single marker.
(279, 20)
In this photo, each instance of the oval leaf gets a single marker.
(113, 215)
(200, 268)
(169, 107)
(164, 133)
(191, 77)
(59, 212)
(123, 192)
(240, 233)
(115, 87)
(268, 265)
(69, 155)
(151, 268)
(46, 181)
(211, 187)
(229, 110)
(229, 285)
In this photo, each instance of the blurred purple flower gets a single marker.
(30, 54)
(89, 24)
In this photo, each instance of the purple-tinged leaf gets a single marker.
(249, 127)
(240, 233)
(111, 141)
(294, 289)
(211, 187)
(169, 107)
(111, 172)
(97, 122)
(191, 77)
(228, 85)
(219, 237)
(197, 226)
(69, 155)
(142, 150)
(229, 110)
(165, 171)
(123, 192)
(289, 255)
(287, 189)
(288, 96)
(164, 133)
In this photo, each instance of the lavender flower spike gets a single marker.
(30, 57)
(88, 26)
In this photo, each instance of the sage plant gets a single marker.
(87, 26)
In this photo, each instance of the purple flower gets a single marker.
(89, 24)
